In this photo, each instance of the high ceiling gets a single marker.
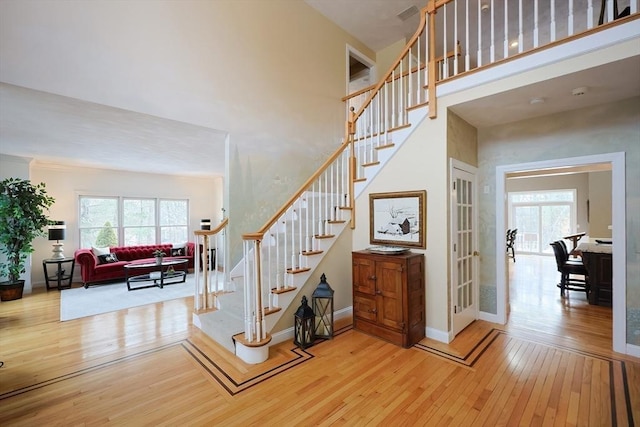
(376, 23)
(57, 129)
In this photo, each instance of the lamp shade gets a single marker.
(57, 230)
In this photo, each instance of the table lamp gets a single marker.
(56, 232)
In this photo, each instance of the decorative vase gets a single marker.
(10, 291)
(158, 260)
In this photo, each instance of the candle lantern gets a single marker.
(205, 224)
(303, 327)
(322, 299)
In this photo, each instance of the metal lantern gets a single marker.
(303, 328)
(322, 299)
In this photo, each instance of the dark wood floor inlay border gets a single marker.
(617, 368)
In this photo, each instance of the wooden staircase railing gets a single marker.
(288, 242)
(210, 267)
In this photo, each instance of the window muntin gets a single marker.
(133, 221)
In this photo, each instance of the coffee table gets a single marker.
(154, 274)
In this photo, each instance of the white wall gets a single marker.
(66, 184)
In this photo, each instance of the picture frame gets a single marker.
(398, 219)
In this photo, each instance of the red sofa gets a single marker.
(93, 271)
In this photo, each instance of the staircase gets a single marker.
(239, 308)
(279, 258)
(285, 254)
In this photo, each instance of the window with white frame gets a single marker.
(127, 221)
(541, 217)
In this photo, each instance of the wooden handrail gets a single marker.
(430, 9)
(302, 189)
(216, 230)
(432, 5)
(404, 52)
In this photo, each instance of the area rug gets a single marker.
(81, 302)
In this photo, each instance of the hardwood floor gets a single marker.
(550, 365)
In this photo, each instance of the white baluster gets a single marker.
(520, 28)
(445, 63)
(535, 23)
(570, 19)
(589, 14)
(505, 53)
(492, 49)
(393, 99)
(479, 55)
(467, 57)
(455, 38)
(552, 24)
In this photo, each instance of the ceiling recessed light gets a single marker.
(536, 101)
(484, 7)
(514, 43)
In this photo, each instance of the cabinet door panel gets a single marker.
(389, 279)
(364, 275)
(389, 287)
(365, 307)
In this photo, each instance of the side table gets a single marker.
(61, 275)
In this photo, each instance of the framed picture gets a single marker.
(398, 219)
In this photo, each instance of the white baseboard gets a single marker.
(633, 350)
(438, 335)
(488, 317)
(287, 334)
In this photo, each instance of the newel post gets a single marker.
(351, 130)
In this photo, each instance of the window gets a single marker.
(120, 221)
(541, 217)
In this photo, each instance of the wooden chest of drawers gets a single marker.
(389, 296)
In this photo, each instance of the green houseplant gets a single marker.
(23, 208)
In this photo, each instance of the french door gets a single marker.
(464, 268)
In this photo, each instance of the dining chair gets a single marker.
(568, 269)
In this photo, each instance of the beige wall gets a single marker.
(421, 164)
(66, 184)
(462, 140)
(599, 200)
(387, 57)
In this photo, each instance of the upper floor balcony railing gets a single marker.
(459, 36)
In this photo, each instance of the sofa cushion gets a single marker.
(107, 258)
(178, 251)
(100, 251)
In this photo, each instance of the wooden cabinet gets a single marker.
(388, 296)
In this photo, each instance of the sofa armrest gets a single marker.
(86, 257)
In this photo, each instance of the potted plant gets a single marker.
(158, 254)
(22, 219)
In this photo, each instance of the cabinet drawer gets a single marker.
(364, 307)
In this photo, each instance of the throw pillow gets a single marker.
(178, 252)
(107, 258)
(100, 251)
